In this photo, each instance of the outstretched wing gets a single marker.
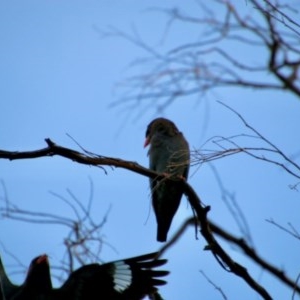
(144, 279)
(131, 278)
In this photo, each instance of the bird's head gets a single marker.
(160, 126)
(38, 275)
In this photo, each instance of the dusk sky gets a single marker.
(59, 77)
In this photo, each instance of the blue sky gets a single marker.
(59, 77)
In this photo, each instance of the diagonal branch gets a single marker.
(220, 254)
(250, 252)
(201, 211)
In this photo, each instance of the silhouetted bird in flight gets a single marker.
(127, 279)
(34, 285)
(169, 153)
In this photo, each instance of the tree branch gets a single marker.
(250, 252)
(201, 211)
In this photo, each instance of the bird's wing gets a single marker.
(123, 279)
(143, 278)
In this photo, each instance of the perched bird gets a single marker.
(128, 279)
(169, 153)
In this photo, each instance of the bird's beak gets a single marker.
(147, 142)
(43, 258)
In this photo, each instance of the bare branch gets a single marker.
(234, 209)
(84, 240)
(292, 231)
(201, 211)
(213, 246)
(214, 285)
(210, 61)
(251, 253)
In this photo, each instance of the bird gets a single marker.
(37, 283)
(126, 279)
(168, 154)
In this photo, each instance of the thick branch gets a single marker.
(87, 159)
(215, 247)
(201, 211)
(250, 252)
